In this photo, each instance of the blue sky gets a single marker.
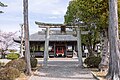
(51, 11)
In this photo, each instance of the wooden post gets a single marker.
(66, 49)
(22, 39)
(26, 26)
(46, 48)
(54, 50)
(79, 47)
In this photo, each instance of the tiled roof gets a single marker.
(59, 37)
(40, 36)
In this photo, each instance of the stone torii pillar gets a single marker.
(79, 47)
(46, 52)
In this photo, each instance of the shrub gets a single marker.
(2, 64)
(33, 62)
(92, 61)
(13, 56)
(19, 64)
(9, 73)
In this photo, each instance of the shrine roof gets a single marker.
(40, 36)
(57, 37)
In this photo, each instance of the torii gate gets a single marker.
(48, 26)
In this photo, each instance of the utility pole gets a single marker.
(26, 26)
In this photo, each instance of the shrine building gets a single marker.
(61, 43)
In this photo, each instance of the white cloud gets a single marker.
(54, 7)
(53, 17)
(39, 10)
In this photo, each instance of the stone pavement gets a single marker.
(61, 69)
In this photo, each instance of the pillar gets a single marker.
(54, 50)
(79, 47)
(46, 48)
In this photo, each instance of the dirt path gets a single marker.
(62, 70)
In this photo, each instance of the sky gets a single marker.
(50, 11)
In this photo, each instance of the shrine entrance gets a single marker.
(61, 48)
(60, 51)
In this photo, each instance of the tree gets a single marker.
(114, 63)
(2, 5)
(6, 41)
(119, 13)
(26, 26)
(94, 13)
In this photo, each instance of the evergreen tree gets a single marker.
(2, 5)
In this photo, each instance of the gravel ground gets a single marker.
(61, 69)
